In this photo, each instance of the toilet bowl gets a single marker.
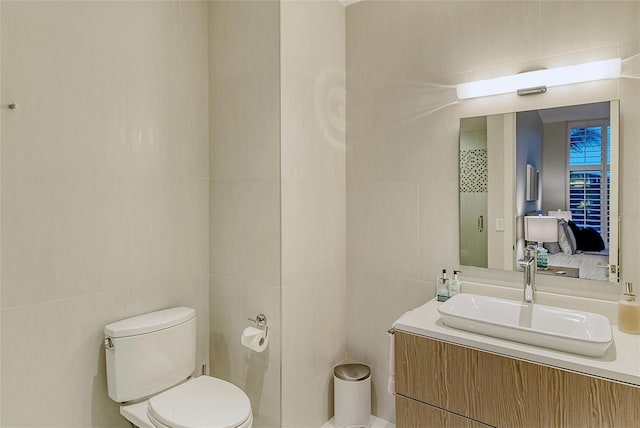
(150, 359)
(199, 402)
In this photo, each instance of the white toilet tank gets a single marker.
(150, 353)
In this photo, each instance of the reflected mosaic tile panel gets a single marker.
(473, 171)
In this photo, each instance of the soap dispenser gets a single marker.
(443, 287)
(629, 311)
(454, 284)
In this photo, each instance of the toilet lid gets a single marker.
(201, 402)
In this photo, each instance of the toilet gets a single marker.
(150, 360)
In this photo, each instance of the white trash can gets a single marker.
(352, 395)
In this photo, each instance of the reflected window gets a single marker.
(589, 175)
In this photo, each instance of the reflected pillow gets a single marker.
(552, 247)
(576, 232)
(587, 239)
(590, 240)
(566, 239)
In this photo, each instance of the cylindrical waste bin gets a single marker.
(352, 395)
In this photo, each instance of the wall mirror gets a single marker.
(560, 162)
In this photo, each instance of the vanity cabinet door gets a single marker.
(506, 392)
(414, 414)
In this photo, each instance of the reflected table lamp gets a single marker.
(541, 229)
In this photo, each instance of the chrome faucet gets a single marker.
(529, 264)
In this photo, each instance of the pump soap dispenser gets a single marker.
(629, 311)
(443, 287)
(454, 284)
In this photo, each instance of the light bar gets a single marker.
(609, 69)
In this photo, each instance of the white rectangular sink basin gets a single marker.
(573, 331)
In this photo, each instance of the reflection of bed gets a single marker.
(587, 263)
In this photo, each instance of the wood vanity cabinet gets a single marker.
(439, 384)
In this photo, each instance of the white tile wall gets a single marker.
(245, 261)
(104, 192)
(402, 136)
(313, 187)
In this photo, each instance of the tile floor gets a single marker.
(374, 422)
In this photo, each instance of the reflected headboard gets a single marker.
(565, 215)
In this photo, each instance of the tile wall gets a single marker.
(104, 192)
(314, 305)
(402, 136)
(245, 262)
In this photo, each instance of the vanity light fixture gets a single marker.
(535, 82)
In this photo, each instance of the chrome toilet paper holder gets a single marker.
(261, 322)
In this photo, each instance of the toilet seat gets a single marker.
(201, 402)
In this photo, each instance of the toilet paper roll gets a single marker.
(254, 339)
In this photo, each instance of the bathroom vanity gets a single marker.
(452, 378)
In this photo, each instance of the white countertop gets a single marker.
(620, 363)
